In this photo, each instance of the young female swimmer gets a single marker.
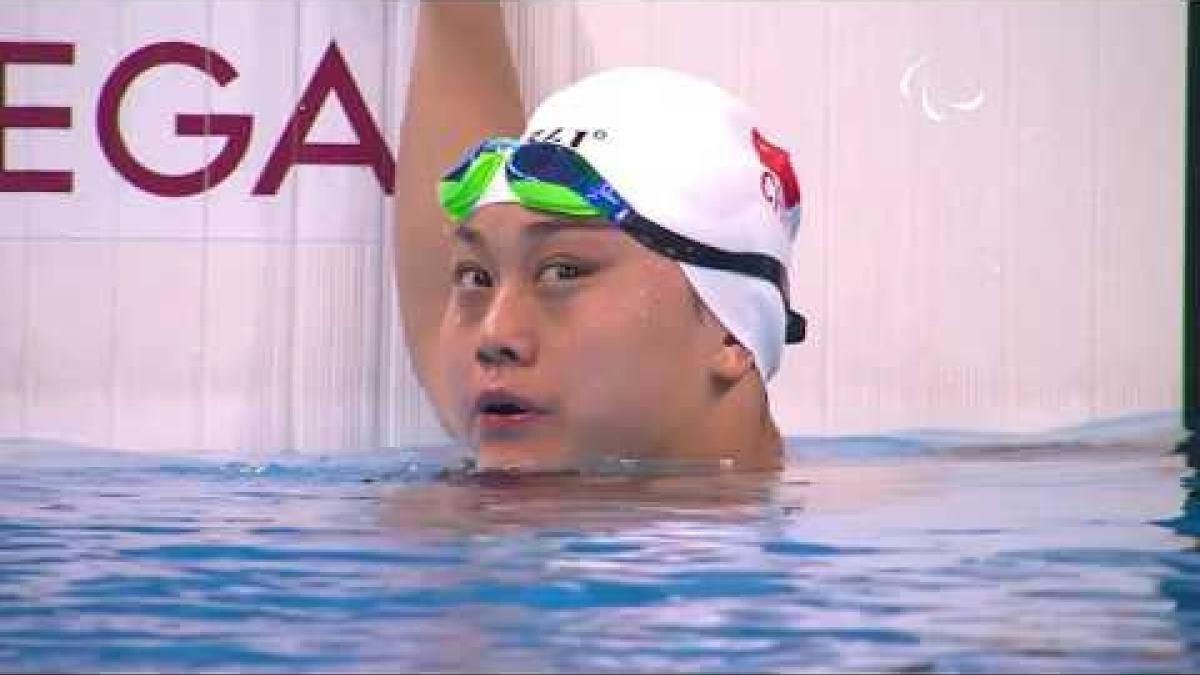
(609, 283)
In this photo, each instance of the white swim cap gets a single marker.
(687, 155)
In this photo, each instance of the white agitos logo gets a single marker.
(935, 106)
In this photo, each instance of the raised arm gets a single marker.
(463, 87)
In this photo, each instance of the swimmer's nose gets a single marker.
(506, 335)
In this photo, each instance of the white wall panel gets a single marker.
(992, 236)
(958, 216)
(1138, 279)
(873, 288)
(70, 341)
(14, 364)
(218, 320)
(158, 353)
(246, 401)
(958, 258)
(1049, 216)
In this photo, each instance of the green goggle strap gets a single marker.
(458, 197)
(550, 197)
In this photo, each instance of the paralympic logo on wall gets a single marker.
(331, 77)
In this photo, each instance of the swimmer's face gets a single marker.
(566, 340)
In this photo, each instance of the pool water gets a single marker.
(890, 553)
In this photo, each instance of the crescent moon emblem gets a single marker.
(969, 105)
(909, 73)
(934, 110)
(927, 106)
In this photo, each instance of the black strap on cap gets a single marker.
(683, 249)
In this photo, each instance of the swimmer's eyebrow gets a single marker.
(466, 234)
(544, 228)
(539, 230)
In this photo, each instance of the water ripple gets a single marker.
(923, 560)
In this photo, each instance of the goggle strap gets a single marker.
(797, 327)
(683, 249)
(550, 197)
(460, 189)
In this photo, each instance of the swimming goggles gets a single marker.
(555, 178)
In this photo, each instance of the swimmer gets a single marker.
(605, 282)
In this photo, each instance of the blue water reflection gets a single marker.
(951, 553)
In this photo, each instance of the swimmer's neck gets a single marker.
(724, 442)
(749, 442)
(739, 429)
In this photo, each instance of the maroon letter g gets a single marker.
(235, 127)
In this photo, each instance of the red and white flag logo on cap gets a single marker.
(779, 185)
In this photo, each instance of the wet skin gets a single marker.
(565, 340)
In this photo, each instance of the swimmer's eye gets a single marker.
(471, 275)
(559, 271)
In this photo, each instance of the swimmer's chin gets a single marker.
(530, 456)
(529, 463)
(493, 471)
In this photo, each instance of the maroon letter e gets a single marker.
(33, 117)
(234, 127)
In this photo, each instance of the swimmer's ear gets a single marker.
(732, 361)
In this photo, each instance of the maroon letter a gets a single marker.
(332, 75)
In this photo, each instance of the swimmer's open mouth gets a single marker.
(503, 409)
(503, 405)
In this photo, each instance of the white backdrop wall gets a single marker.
(992, 235)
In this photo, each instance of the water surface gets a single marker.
(934, 552)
